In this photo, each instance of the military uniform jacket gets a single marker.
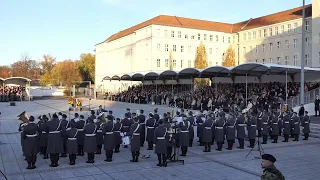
(80, 136)
(286, 125)
(116, 133)
(275, 126)
(99, 135)
(134, 132)
(191, 128)
(151, 124)
(219, 129)
(296, 125)
(90, 140)
(156, 117)
(252, 127)
(30, 132)
(265, 125)
(72, 143)
(142, 122)
(184, 133)
(126, 123)
(207, 130)
(66, 125)
(55, 142)
(230, 127)
(280, 119)
(161, 139)
(199, 122)
(43, 135)
(167, 125)
(240, 124)
(108, 134)
(306, 124)
(259, 121)
(271, 173)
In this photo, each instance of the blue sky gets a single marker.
(67, 28)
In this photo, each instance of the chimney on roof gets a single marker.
(246, 24)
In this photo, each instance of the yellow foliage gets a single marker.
(201, 62)
(171, 60)
(229, 58)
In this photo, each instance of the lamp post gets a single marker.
(302, 55)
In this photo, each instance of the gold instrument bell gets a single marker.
(23, 117)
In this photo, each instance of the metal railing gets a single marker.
(309, 97)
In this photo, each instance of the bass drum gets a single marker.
(126, 140)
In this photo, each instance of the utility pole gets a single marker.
(302, 54)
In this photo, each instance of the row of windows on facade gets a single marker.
(205, 37)
(278, 44)
(182, 65)
(269, 32)
(174, 48)
(286, 60)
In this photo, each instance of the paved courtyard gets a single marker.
(297, 160)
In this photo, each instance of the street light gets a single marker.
(302, 55)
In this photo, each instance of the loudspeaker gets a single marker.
(12, 103)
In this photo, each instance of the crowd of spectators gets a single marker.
(11, 93)
(211, 97)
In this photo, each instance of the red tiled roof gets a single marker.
(175, 21)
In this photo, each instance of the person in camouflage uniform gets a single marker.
(270, 172)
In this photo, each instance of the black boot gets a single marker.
(137, 156)
(133, 156)
(190, 142)
(159, 160)
(209, 147)
(205, 148)
(264, 139)
(79, 151)
(164, 160)
(229, 145)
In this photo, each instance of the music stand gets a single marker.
(260, 149)
(175, 157)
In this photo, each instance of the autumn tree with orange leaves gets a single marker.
(201, 62)
(229, 58)
(67, 72)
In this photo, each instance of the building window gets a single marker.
(217, 38)
(244, 36)
(270, 60)
(250, 49)
(182, 63)
(278, 44)
(210, 50)
(263, 47)
(211, 37)
(223, 39)
(257, 60)
(307, 25)
(249, 35)
(279, 60)
(182, 48)
(234, 39)
(199, 36)
(270, 31)
(217, 51)
(174, 63)
(186, 36)
(307, 41)
(264, 33)
(165, 33)
(158, 62)
(270, 46)
(244, 50)
(189, 49)
(257, 48)
(205, 37)
(276, 31)
(286, 60)
(254, 35)
(166, 47)
(306, 58)
(295, 43)
(189, 63)
(210, 63)
(172, 34)
(174, 48)
(158, 32)
(295, 27)
(158, 47)
(259, 34)
(192, 37)
(263, 61)
(179, 34)
(217, 63)
(295, 60)
(286, 44)
(282, 29)
(166, 62)
(289, 28)
(229, 40)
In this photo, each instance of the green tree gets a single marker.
(86, 66)
(201, 62)
(229, 58)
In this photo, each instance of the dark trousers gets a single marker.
(80, 150)
(31, 160)
(292, 134)
(230, 144)
(43, 150)
(296, 137)
(286, 137)
(259, 133)
(275, 138)
(109, 154)
(162, 158)
(90, 158)
(316, 111)
(219, 144)
(190, 142)
(117, 148)
(99, 147)
(280, 131)
(150, 145)
(135, 156)
(306, 136)
(207, 147)
(252, 141)
(169, 152)
(54, 158)
(264, 139)
(200, 141)
(241, 143)
(141, 140)
(184, 150)
(72, 159)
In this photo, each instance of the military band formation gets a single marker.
(57, 136)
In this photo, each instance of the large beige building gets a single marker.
(150, 45)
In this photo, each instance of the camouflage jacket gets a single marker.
(272, 173)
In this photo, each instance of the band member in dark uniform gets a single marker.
(265, 127)
(117, 136)
(156, 115)
(72, 143)
(150, 124)
(219, 131)
(199, 121)
(259, 122)
(90, 140)
(108, 134)
(240, 123)
(80, 136)
(142, 122)
(230, 130)
(286, 127)
(252, 129)
(160, 139)
(43, 136)
(168, 126)
(317, 106)
(296, 126)
(306, 125)
(55, 142)
(134, 133)
(24, 120)
(207, 133)
(65, 123)
(30, 132)
(184, 135)
(126, 123)
(128, 113)
(275, 128)
(99, 135)
(191, 128)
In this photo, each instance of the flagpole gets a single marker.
(302, 55)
